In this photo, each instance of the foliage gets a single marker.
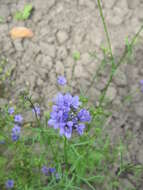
(76, 55)
(25, 14)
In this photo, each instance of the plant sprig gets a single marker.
(25, 14)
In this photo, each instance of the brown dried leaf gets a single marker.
(21, 32)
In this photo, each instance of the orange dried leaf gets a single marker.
(21, 32)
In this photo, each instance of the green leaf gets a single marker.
(18, 16)
(25, 14)
(83, 99)
(76, 56)
(27, 11)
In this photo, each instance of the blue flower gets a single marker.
(80, 128)
(75, 120)
(37, 110)
(9, 184)
(11, 110)
(67, 116)
(45, 170)
(68, 99)
(59, 100)
(84, 115)
(15, 134)
(52, 170)
(56, 119)
(66, 130)
(75, 102)
(58, 177)
(61, 80)
(18, 118)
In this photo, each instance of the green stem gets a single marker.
(73, 71)
(118, 64)
(105, 29)
(53, 151)
(108, 41)
(73, 75)
(65, 152)
(93, 79)
(35, 112)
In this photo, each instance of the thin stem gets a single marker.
(136, 35)
(93, 79)
(32, 105)
(105, 29)
(87, 182)
(107, 38)
(118, 64)
(53, 152)
(65, 152)
(73, 74)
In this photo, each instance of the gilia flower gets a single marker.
(15, 134)
(11, 110)
(84, 115)
(47, 171)
(9, 184)
(18, 118)
(61, 80)
(66, 115)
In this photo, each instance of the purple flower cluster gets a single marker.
(18, 118)
(9, 184)
(61, 80)
(15, 132)
(67, 115)
(48, 171)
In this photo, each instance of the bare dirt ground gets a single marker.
(62, 27)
